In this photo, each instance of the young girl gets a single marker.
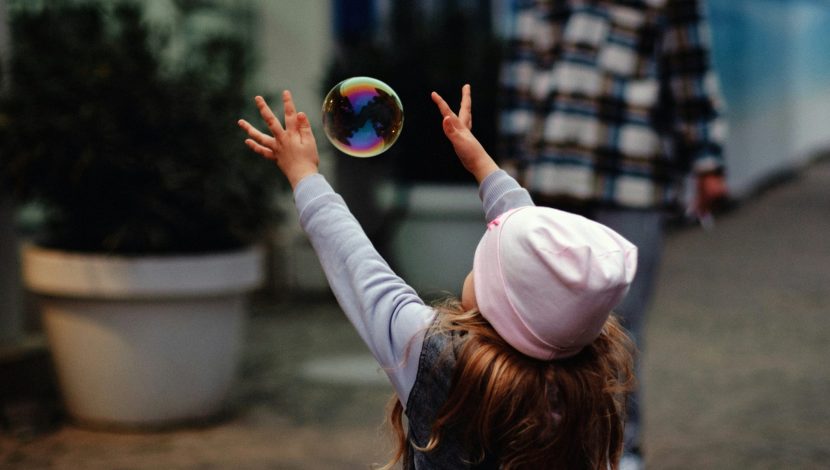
(528, 369)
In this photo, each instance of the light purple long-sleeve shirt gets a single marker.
(387, 313)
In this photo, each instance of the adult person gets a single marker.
(608, 108)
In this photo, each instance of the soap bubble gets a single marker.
(362, 116)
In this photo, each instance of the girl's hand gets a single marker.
(293, 148)
(457, 128)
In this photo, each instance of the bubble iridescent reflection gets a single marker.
(362, 116)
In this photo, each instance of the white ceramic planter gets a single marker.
(143, 342)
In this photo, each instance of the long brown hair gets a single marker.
(529, 413)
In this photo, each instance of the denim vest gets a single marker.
(431, 389)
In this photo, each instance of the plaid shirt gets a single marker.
(611, 102)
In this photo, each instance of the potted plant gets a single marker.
(153, 211)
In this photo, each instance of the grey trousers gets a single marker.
(645, 230)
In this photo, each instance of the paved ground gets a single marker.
(736, 374)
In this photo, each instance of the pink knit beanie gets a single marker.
(547, 280)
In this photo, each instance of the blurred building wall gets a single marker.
(771, 56)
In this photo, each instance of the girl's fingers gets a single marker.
(452, 124)
(290, 111)
(255, 134)
(304, 127)
(443, 107)
(465, 112)
(447, 125)
(260, 149)
(270, 120)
